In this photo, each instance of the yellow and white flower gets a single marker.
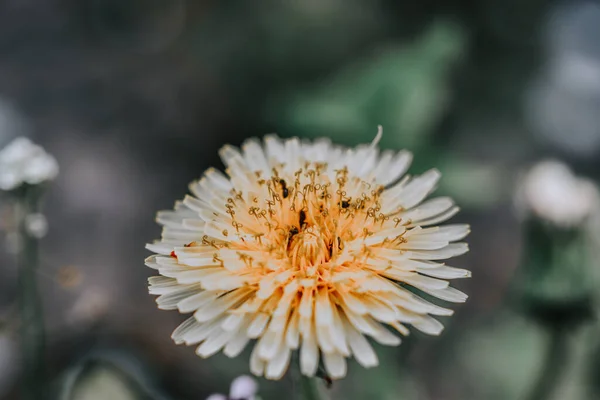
(310, 246)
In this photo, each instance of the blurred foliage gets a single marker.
(106, 376)
(101, 383)
(391, 382)
(501, 356)
(403, 88)
(556, 280)
(144, 92)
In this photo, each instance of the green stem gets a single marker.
(554, 362)
(30, 307)
(310, 390)
(305, 387)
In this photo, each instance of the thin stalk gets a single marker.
(30, 307)
(304, 387)
(554, 362)
(310, 390)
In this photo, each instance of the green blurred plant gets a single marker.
(31, 322)
(107, 376)
(556, 282)
(405, 89)
(555, 289)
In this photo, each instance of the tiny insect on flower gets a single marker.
(306, 245)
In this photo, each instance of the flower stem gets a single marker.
(30, 308)
(310, 390)
(556, 354)
(305, 387)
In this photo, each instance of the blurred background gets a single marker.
(135, 97)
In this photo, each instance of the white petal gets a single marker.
(162, 285)
(160, 248)
(258, 325)
(452, 250)
(391, 167)
(269, 343)
(379, 310)
(448, 294)
(255, 156)
(309, 354)
(182, 329)
(170, 300)
(292, 336)
(257, 365)
(446, 233)
(214, 343)
(324, 338)
(361, 349)
(237, 344)
(279, 364)
(419, 187)
(233, 322)
(429, 325)
(220, 305)
(196, 332)
(428, 209)
(425, 282)
(445, 272)
(274, 149)
(335, 363)
(409, 194)
(192, 303)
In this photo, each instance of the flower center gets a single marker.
(309, 249)
(304, 223)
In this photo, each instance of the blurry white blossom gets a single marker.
(242, 388)
(22, 161)
(551, 191)
(36, 225)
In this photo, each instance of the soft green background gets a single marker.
(134, 98)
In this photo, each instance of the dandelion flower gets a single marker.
(23, 162)
(551, 191)
(309, 246)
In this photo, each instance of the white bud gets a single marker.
(551, 191)
(243, 387)
(22, 161)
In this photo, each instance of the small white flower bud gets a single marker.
(243, 387)
(22, 161)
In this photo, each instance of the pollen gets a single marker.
(304, 225)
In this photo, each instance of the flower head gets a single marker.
(23, 162)
(553, 193)
(310, 246)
